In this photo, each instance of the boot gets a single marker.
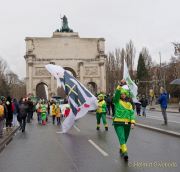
(106, 128)
(125, 157)
(97, 128)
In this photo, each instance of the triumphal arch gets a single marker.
(83, 57)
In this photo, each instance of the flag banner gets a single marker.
(80, 99)
(132, 86)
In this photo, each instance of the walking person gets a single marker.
(38, 110)
(15, 112)
(108, 103)
(144, 103)
(138, 107)
(43, 112)
(9, 116)
(124, 119)
(30, 110)
(58, 114)
(101, 112)
(22, 114)
(1, 118)
(53, 112)
(163, 101)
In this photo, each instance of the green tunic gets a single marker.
(43, 112)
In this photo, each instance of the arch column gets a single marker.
(102, 77)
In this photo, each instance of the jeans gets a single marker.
(164, 115)
(22, 122)
(15, 119)
(144, 111)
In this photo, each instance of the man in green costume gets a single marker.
(101, 112)
(43, 112)
(124, 118)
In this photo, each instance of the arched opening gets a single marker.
(71, 71)
(42, 91)
(92, 87)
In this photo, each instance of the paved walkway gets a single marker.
(174, 108)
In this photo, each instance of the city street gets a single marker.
(84, 149)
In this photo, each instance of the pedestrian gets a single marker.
(58, 114)
(108, 103)
(43, 112)
(38, 110)
(124, 119)
(112, 105)
(138, 107)
(101, 112)
(22, 114)
(30, 110)
(9, 116)
(163, 101)
(1, 118)
(15, 112)
(144, 103)
(53, 112)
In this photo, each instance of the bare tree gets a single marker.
(130, 56)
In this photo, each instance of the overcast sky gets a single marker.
(150, 23)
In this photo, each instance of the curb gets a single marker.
(7, 139)
(169, 132)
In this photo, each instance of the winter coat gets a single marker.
(163, 100)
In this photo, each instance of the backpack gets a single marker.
(1, 111)
(22, 110)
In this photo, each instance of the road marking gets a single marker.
(77, 129)
(153, 117)
(98, 148)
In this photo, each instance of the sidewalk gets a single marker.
(7, 137)
(172, 108)
(153, 124)
(156, 125)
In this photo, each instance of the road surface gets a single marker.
(83, 149)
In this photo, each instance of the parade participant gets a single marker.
(43, 112)
(53, 112)
(38, 110)
(1, 118)
(58, 114)
(101, 112)
(67, 111)
(124, 118)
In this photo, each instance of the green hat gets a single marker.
(124, 91)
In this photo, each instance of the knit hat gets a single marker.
(101, 95)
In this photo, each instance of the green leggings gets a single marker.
(99, 116)
(122, 131)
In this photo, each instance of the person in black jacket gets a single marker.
(9, 116)
(144, 103)
(29, 110)
(22, 114)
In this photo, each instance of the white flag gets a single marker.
(132, 86)
(79, 98)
